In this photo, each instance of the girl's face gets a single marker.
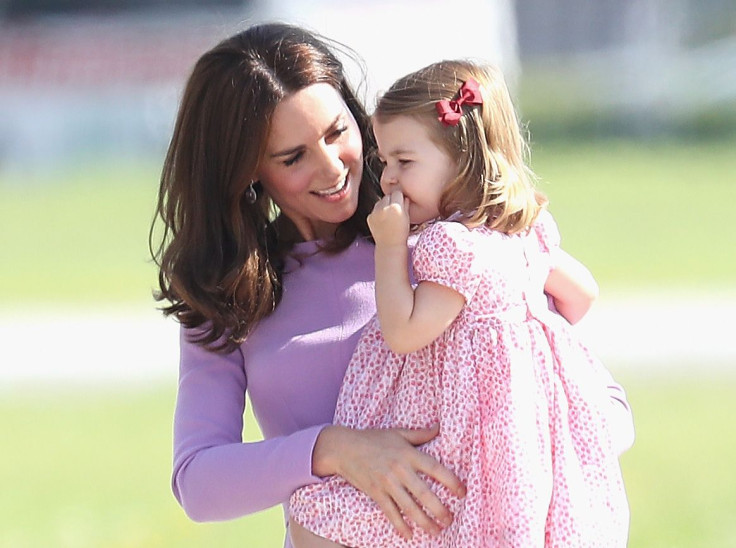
(414, 164)
(313, 163)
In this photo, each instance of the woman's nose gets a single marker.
(332, 164)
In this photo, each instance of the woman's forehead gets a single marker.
(308, 112)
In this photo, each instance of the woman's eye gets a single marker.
(404, 162)
(339, 131)
(294, 159)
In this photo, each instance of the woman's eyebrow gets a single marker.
(287, 152)
(292, 150)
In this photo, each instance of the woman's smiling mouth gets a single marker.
(333, 191)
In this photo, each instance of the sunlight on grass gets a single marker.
(89, 469)
(86, 469)
(679, 474)
(642, 214)
(81, 238)
(638, 214)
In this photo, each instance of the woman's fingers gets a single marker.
(430, 466)
(388, 506)
(386, 466)
(410, 507)
(419, 436)
(428, 500)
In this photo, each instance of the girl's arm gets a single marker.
(410, 319)
(571, 286)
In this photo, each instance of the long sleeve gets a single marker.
(291, 368)
(216, 476)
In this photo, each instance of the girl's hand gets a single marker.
(384, 464)
(389, 221)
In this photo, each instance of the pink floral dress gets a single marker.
(520, 403)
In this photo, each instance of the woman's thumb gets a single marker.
(419, 436)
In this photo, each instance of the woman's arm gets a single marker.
(571, 286)
(216, 476)
(410, 319)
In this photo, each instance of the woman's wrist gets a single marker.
(324, 454)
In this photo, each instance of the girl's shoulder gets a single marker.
(446, 253)
(444, 232)
(546, 231)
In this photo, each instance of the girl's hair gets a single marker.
(494, 186)
(220, 257)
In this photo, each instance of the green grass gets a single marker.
(78, 237)
(679, 474)
(88, 470)
(645, 214)
(637, 214)
(82, 469)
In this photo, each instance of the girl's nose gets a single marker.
(388, 182)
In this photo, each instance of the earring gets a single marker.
(250, 194)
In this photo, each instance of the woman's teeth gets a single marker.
(334, 190)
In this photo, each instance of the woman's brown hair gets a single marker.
(220, 257)
(494, 186)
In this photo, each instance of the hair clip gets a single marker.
(450, 112)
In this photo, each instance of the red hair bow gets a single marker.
(451, 111)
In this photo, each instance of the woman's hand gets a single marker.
(384, 464)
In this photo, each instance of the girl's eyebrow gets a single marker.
(292, 150)
(400, 151)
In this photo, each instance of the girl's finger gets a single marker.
(397, 197)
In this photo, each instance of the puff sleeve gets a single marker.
(444, 255)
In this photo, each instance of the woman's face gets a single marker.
(313, 162)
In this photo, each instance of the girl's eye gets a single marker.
(294, 159)
(404, 162)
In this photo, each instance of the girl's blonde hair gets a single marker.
(494, 186)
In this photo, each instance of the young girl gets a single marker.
(473, 346)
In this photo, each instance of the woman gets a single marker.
(272, 299)
(267, 263)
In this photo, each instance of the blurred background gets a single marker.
(631, 111)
